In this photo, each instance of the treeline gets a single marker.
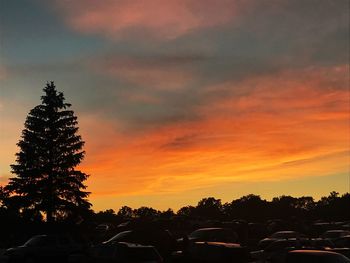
(252, 208)
(17, 225)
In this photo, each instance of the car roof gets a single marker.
(133, 245)
(126, 231)
(286, 231)
(211, 228)
(336, 231)
(220, 244)
(285, 240)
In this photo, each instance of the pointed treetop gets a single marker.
(52, 97)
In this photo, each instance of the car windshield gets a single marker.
(40, 241)
(282, 244)
(205, 233)
(333, 234)
(345, 241)
(322, 243)
(120, 237)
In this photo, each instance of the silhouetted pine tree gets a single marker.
(50, 149)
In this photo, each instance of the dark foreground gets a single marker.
(182, 240)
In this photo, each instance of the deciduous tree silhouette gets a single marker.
(209, 208)
(187, 211)
(146, 212)
(126, 212)
(167, 214)
(247, 207)
(47, 180)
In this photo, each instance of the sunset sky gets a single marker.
(183, 99)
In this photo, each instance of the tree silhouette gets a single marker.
(187, 211)
(247, 207)
(305, 202)
(209, 208)
(107, 216)
(46, 180)
(146, 212)
(126, 212)
(169, 213)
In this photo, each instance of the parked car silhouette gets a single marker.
(335, 234)
(319, 243)
(280, 235)
(342, 241)
(43, 248)
(162, 240)
(276, 251)
(124, 252)
(217, 252)
(214, 234)
(104, 227)
(315, 256)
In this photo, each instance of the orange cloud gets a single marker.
(289, 125)
(157, 18)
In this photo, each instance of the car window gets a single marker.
(276, 245)
(343, 242)
(282, 245)
(323, 243)
(197, 234)
(122, 236)
(41, 241)
(332, 234)
(208, 233)
(284, 235)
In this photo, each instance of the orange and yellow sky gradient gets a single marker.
(183, 99)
